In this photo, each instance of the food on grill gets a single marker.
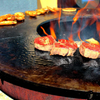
(53, 9)
(11, 18)
(19, 16)
(40, 11)
(69, 9)
(46, 9)
(31, 13)
(8, 22)
(90, 49)
(93, 41)
(64, 48)
(44, 43)
(4, 17)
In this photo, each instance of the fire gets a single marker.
(82, 12)
(89, 22)
(70, 37)
(79, 35)
(52, 32)
(44, 31)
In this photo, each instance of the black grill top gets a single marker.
(23, 65)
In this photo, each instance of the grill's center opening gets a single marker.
(67, 27)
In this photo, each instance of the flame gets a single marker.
(52, 32)
(80, 12)
(79, 35)
(77, 15)
(44, 30)
(89, 22)
(70, 37)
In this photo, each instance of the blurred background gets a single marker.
(12, 6)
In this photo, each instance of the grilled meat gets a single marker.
(89, 50)
(64, 47)
(44, 43)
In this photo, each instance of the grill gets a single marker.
(25, 66)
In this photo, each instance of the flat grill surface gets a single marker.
(19, 59)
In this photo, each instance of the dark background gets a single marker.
(70, 3)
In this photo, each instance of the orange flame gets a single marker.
(79, 36)
(77, 16)
(44, 30)
(70, 37)
(52, 32)
(82, 12)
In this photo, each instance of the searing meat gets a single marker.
(90, 49)
(64, 47)
(44, 43)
